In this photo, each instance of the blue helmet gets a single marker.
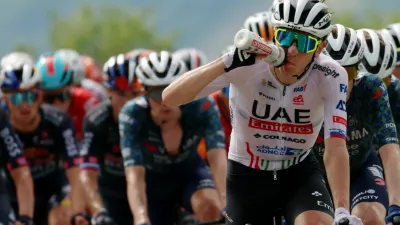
(55, 70)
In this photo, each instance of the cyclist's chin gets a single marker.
(25, 116)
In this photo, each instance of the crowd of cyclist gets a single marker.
(84, 145)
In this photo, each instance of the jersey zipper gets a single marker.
(280, 133)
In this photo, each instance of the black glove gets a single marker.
(240, 58)
(25, 220)
(102, 218)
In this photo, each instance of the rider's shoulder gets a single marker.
(53, 114)
(81, 94)
(99, 113)
(200, 105)
(136, 105)
(368, 81)
(328, 68)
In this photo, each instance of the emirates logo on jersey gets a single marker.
(296, 122)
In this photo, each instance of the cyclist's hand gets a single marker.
(238, 58)
(102, 218)
(24, 220)
(80, 219)
(393, 217)
(343, 217)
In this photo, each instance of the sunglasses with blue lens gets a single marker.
(17, 99)
(305, 43)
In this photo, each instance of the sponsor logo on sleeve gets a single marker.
(328, 71)
(338, 119)
(337, 133)
(341, 105)
(343, 88)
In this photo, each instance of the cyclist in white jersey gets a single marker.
(276, 116)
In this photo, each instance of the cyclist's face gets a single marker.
(24, 106)
(296, 60)
(60, 98)
(119, 98)
(163, 112)
(396, 71)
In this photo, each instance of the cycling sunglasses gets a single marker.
(62, 97)
(305, 43)
(17, 99)
(156, 93)
(398, 57)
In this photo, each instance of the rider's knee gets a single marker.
(205, 205)
(59, 215)
(371, 213)
(313, 217)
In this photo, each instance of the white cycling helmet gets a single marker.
(344, 46)
(310, 16)
(19, 77)
(229, 48)
(74, 61)
(192, 57)
(393, 31)
(260, 23)
(377, 59)
(160, 69)
(17, 59)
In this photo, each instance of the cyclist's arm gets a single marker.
(336, 156)
(394, 98)
(386, 136)
(68, 145)
(19, 170)
(91, 146)
(133, 162)
(215, 144)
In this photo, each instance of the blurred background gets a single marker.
(102, 28)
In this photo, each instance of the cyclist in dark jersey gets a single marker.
(393, 88)
(103, 169)
(59, 91)
(368, 115)
(12, 158)
(159, 147)
(47, 137)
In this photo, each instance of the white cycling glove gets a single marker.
(341, 214)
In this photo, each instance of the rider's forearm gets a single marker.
(25, 190)
(77, 192)
(89, 180)
(337, 167)
(218, 164)
(136, 188)
(189, 85)
(390, 155)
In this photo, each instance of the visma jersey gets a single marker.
(369, 117)
(142, 143)
(274, 126)
(394, 98)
